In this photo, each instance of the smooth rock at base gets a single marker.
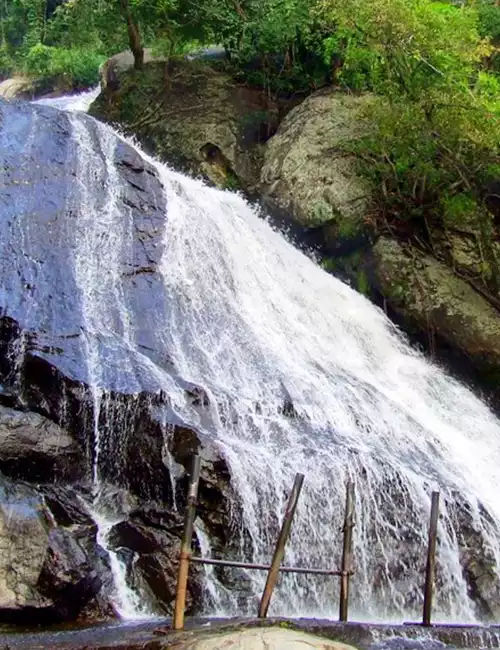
(272, 638)
(35, 449)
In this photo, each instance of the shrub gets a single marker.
(7, 65)
(432, 159)
(72, 67)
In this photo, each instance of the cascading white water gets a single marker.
(256, 323)
(77, 102)
(254, 319)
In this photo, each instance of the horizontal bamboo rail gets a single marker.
(265, 567)
(273, 569)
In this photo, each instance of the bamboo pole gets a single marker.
(279, 551)
(430, 571)
(263, 567)
(185, 551)
(346, 552)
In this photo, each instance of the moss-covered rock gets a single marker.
(111, 70)
(469, 242)
(308, 175)
(430, 296)
(193, 117)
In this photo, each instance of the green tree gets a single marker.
(434, 144)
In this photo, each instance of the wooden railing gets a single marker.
(274, 568)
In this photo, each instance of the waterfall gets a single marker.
(261, 327)
(256, 322)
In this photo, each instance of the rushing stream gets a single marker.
(258, 324)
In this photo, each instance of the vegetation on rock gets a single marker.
(433, 64)
(431, 67)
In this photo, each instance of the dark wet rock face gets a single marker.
(35, 449)
(69, 188)
(150, 541)
(217, 503)
(54, 229)
(478, 561)
(83, 358)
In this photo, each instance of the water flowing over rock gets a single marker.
(50, 338)
(150, 316)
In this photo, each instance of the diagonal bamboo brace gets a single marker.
(279, 552)
(185, 552)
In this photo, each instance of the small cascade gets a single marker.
(219, 600)
(128, 603)
(77, 102)
(100, 232)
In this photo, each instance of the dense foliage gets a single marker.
(434, 65)
(286, 45)
(433, 152)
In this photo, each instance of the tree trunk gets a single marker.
(134, 36)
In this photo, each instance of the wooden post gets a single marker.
(279, 551)
(187, 537)
(347, 551)
(430, 571)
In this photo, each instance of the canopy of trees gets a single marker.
(291, 44)
(434, 64)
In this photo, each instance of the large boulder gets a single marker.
(431, 297)
(49, 568)
(195, 118)
(35, 449)
(308, 176)
(116, 65)
(18, 88)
